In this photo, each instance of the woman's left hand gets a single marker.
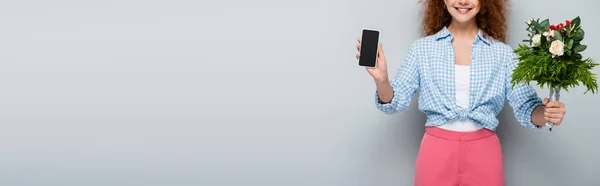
(555, 111)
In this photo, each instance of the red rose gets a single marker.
(560, 26)
(568, 23)
(552, 27)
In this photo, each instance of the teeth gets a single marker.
(463, 10)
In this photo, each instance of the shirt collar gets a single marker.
(446, 34)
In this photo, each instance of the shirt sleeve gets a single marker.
(522, 97)
(404, 85)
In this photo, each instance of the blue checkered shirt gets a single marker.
(429, 66)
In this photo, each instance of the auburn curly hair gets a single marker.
(491, 18)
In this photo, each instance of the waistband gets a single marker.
(459, 136)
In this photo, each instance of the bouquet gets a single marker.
(553, 58)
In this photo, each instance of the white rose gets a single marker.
(557, 48)
(549, 34)
(537, 40)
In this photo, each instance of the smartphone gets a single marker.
(368, 48)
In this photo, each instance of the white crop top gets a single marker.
(462, 75)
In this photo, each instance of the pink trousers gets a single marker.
(450, 158)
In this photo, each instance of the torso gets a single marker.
(462, 59)
(436, 57)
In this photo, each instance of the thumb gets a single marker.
(380, 51)
(546, 100)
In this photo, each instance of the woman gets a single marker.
(463, 69)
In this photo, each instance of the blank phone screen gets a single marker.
(368, 48)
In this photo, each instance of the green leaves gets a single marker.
(557, 35)
(545, 24)
(576, 57)
(578, 34)
(539, 66)
(536, 26)
(575, 23)
(579, 48)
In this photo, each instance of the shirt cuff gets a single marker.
(387, 108)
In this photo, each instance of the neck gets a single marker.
(468, 29)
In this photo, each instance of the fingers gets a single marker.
(553, 115)
(555, 110)
(555, 104)
(380, 51)
(546, 100)
(555, 121)
(358, 48)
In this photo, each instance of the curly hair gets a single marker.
(491, 18)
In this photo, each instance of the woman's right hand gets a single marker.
(379, 73)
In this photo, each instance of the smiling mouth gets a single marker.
(463, 10)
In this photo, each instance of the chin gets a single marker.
(463, 20)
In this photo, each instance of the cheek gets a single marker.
(476, 10)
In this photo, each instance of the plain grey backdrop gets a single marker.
(233, 92)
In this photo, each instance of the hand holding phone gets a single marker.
(371, 55)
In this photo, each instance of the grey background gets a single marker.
(217, 93)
